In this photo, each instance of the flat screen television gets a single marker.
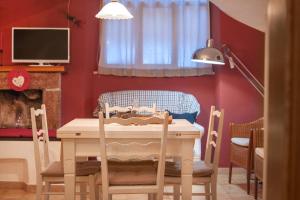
(40, 45)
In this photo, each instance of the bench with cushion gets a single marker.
(179, 103)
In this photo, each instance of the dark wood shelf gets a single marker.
(33, 68)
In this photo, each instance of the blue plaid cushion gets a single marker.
(176, 102)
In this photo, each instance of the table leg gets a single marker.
(187, 169)
(69, 168)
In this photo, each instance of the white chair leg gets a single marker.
(39, 188)
(98, 195)
(207, 191)
(214, 190)
(104, 193)
(154, 196)
(92, 188)
(105, 196)
(47, 189)
(176, 192)
(160, 194)
(83, 191)
(150, 196)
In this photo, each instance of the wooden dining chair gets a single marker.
(51, 173)
(123, 171)
(116, 109)
(204, 172)
(258, 144)
(241, 147)
(258, 168)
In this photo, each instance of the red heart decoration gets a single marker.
(18, 79)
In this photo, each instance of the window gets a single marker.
(158, 41)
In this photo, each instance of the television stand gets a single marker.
(40, 64)
(33, 69)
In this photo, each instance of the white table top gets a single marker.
(89, 128)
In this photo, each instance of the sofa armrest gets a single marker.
(199, 127)
(197, 145)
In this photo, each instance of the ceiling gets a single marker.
(251, 12)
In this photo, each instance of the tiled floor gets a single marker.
(234, 191)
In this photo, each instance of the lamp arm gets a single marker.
(242, 68)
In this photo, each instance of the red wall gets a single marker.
(239, 99)
(77, 81)
(80, 88)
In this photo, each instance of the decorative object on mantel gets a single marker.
(114, 10)
(212, 55)
(18, 79)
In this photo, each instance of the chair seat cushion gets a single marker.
(54, 169)
(240, 141)
(259, 152)
(200, 169)
(130, 173)
(83, 168)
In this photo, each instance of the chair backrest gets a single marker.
(257, 138)
(214, 138)
(136, 145)
(244, 129)
(40, 135)
(142, 109)
(109, 109)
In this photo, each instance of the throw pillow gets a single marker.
(191, 117)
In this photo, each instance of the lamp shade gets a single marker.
(114, 10)
(209, 55)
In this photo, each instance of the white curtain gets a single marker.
(158, 42)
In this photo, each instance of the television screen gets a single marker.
(40, 45)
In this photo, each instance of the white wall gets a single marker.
(251, 12)
(17, 162)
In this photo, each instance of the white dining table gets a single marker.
(80, 137)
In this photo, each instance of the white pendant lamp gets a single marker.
(114, 10)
